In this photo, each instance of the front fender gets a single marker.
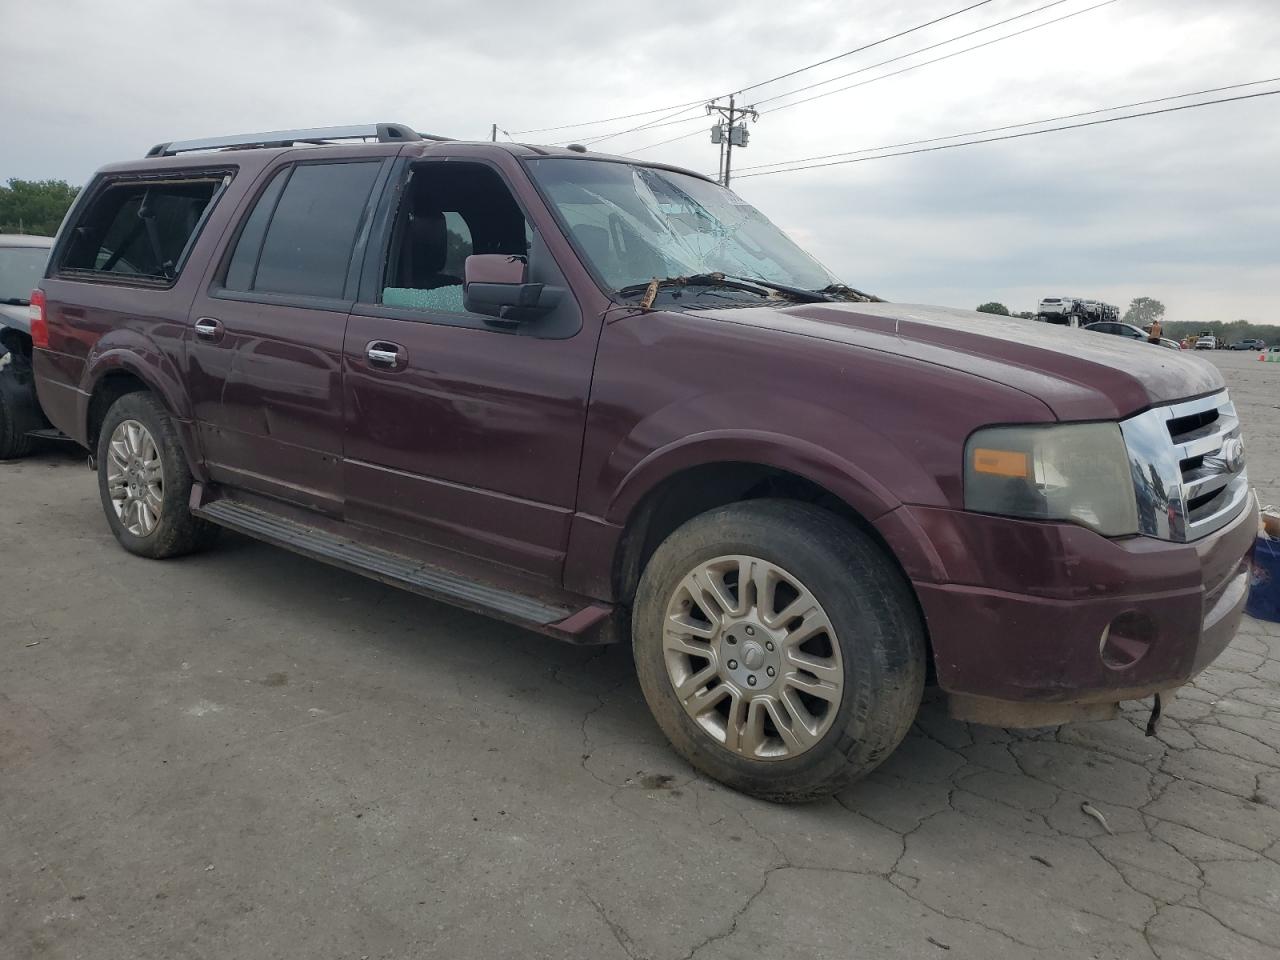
(821, 466)
(843, 455)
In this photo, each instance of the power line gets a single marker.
(783, 76)
(926, 63)
(656, 124)
(867, 46)
(932, 46)
(894, 73)
(1013, 126)
(1015, 136)
(663, 143)
(625, 116)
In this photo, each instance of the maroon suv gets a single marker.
(609, 400)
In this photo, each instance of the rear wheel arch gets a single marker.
(107, 389)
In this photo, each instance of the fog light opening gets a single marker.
(1126, 640)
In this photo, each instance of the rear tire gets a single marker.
(841, 680)
(14, 442)
(145, 483)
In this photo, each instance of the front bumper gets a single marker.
(1054, 614)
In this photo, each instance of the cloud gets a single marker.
(1181, 207)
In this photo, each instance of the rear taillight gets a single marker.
(39, 323)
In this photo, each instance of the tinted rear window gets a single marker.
(140, 229)
(307, 245)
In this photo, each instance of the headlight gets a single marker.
(1077, 472)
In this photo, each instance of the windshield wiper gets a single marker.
(839, 290)
(796, 293)
(649, 291)
(16, 302)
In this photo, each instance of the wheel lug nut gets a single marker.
(769, 645)
(751, 681)
(733, 664)
(770, 671)
(751, 631)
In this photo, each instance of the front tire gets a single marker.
(779, 647)
(145, 483)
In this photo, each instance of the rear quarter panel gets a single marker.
(100, 326)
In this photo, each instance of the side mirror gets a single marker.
(496, 284)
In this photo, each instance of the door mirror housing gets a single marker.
(496, 285)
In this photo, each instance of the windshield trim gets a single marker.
(613, 294)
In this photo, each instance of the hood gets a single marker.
(19, 317)
(1078, 374)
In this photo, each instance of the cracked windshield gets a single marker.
(639, 223)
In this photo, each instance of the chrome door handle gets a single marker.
(382, 355)
(209, 328)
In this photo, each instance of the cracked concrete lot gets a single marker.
(249, 755)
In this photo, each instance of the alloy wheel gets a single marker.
(752, 657)
(135, 477)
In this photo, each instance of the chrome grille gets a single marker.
(1187, 462)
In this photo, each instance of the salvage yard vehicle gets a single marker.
(22, 262)
(610, 401)
(1131, 332)
(1061, 310)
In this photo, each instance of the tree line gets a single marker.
(34, 206)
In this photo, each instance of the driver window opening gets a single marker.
(449, 212)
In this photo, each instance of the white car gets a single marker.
(1056, 309)
(1207, 343)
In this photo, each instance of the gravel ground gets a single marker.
(249, 755)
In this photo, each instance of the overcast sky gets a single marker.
(1183, 207)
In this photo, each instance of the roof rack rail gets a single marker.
(382, 132)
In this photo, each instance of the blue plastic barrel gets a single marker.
(1264, 581)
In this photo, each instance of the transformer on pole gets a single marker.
(730, 132)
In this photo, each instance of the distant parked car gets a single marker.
(22, 262)
(1248, 344)
(1207, 343)
(1117, 329)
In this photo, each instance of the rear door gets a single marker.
(461, 432)
(265, 352)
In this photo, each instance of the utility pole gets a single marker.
(495, 133)
(731, 133)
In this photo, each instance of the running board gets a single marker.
(391, 568)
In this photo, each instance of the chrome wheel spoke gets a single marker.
(684, 624)
(697, 681)
(677, 642)
(735, 723)
(765, 683)
(707, 700)
(709, 592)
(824, 668)
(795, 734)
(823, 689)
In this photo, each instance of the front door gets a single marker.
(462, 433)
(265, 346)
